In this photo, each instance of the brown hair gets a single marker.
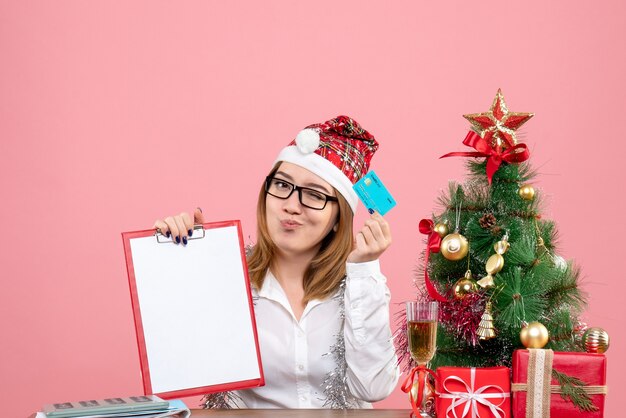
(328, 267)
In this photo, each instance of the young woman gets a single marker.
(321, 302)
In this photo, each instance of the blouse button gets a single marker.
(300, 367)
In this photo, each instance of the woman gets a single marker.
(321, 302)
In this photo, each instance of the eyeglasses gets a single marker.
(309, 198)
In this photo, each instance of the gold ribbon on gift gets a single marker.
(589, 390)
(539, 388)
(539, 378)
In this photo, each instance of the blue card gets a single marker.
(374, 194)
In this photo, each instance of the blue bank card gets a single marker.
(374, 194)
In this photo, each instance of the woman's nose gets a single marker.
(292, 203)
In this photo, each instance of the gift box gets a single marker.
(543, 378)
(473, 392)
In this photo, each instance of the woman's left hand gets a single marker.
(371, 241)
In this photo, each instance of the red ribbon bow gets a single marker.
(422, 374)
(434, 243)
(495, 156)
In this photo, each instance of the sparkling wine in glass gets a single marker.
(422, 341)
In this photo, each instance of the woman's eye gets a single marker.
(315, 195)
(281, 184)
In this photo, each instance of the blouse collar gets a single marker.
(272, 290)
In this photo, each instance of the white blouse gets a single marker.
(295, 354)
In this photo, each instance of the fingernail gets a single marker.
(184, 240)
(200, 209)
(190, 232)
(177, 239)
(168, 234)
(371, 211)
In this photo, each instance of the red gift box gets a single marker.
(536, 392)
(473, 392)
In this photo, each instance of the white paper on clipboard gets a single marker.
(193, 311)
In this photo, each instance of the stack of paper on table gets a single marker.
(148, 406)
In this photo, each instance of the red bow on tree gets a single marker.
(434, 243)
(495, 155)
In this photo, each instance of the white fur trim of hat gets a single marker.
(303, 154)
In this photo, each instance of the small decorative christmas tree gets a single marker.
(491, 260)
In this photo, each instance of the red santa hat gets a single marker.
(338, 150)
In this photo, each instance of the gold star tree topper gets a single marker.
(498, 125)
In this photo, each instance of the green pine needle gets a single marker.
(573, 390)
(520, 299)
(561, 329)
(454, 352)
(564, 290)
(522, 253)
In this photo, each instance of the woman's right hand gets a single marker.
(179, 227)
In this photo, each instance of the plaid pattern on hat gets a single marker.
(346, 144)
(338, 150)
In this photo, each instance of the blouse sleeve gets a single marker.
(370, 354)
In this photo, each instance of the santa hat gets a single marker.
(339, 151)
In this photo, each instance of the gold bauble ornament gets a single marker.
(441, 229)
(534, 335)
(454, 247)
(596, 340)
(526, 192)
(464, 286)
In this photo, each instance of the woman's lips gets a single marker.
(289, 224)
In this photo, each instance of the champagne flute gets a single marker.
(422, 341)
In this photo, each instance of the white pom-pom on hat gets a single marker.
(308, 140)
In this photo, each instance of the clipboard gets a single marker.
(193, 311)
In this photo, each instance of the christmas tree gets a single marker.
(491, 258)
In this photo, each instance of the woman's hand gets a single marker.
(179, 227)
(371, 241)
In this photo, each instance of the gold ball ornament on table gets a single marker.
(454, 246)
(596, 340)
(526, 192)
(534, 335)
(464, 286)
(441, 229)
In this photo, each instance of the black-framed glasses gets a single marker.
(309, 198)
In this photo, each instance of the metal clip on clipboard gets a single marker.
(162, 239)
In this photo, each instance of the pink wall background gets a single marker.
(113, 114)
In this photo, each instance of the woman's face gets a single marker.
(296, 229)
